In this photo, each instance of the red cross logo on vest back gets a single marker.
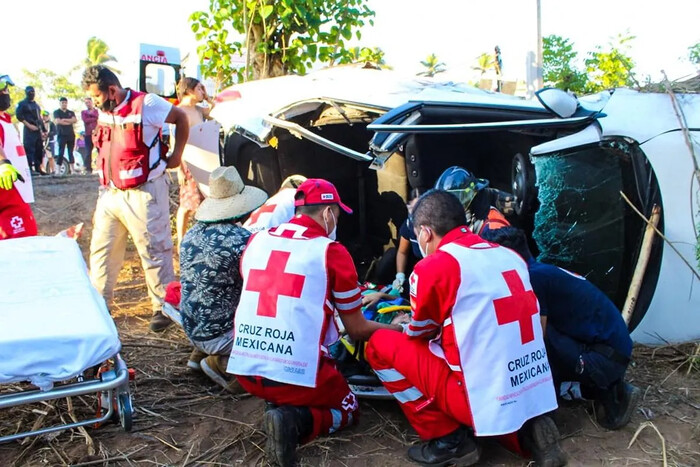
(272, 282)
(260, 211)
(519, 307)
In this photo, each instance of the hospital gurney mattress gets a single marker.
(53, 323)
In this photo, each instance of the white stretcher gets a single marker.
(53, 327)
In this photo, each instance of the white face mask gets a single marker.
(332, 233)
(423, 252)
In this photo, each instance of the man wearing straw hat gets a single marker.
(210, 278)
(295, 276)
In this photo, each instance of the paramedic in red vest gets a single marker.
(485, 207)
(587, 340)
(278, 209)
(472, 361)
(133, 199)
(295, 276)
(16, 218)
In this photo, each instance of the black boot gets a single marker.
(456, 447)
(285, 427)
(540, 436)
(159, 321)
(616, 405)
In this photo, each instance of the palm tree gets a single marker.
(433, 65)
(484, 63)
(98, 54)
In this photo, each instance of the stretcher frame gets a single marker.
(112, 387)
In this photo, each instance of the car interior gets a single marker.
(568, 201)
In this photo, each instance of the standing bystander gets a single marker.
(64, 120)
(29, 113)
(191, 94)
(89, 118)
(49, 142)
(133, 199)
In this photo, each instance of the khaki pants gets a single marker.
(143, 213)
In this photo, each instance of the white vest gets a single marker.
(278, 325)
(276, 210)
(15, 154)
(505, 367)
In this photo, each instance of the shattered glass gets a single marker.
(580, 223)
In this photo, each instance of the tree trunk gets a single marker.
(264, 66)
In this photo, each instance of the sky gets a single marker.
(457, 31)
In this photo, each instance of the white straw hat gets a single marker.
(228, 197)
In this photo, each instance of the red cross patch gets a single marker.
(518, 307)
(272, 282)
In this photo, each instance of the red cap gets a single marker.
(319, 191)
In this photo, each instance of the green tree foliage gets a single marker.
(432, 65)
(605, 68)
(373, 57)
(694, 54)
(50, 85)
(279, 36)
(98, 54)
(484, 63)
(16, 95)
(611, 67)
(559, 65)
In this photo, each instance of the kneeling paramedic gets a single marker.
(294, 277)
(16, 218)
(588, 344)
(133, 199)
(472, 359)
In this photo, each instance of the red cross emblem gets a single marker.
(519, 307)
(272, 282)
(261, 210)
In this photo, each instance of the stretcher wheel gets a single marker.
(125, 411)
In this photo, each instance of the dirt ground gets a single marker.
(182, 419)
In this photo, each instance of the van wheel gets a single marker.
(523, 180)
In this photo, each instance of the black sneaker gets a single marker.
(458, 447)
(540, 436)
(617, 405)
(159, 322)
(285, 426)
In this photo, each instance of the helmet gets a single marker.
(461, 183)
(293, 181)
(5, 81)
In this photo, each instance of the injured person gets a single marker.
(588, 344)
(472, 362)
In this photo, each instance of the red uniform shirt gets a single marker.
(434, 286)
(5, 117)
(342, 288)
